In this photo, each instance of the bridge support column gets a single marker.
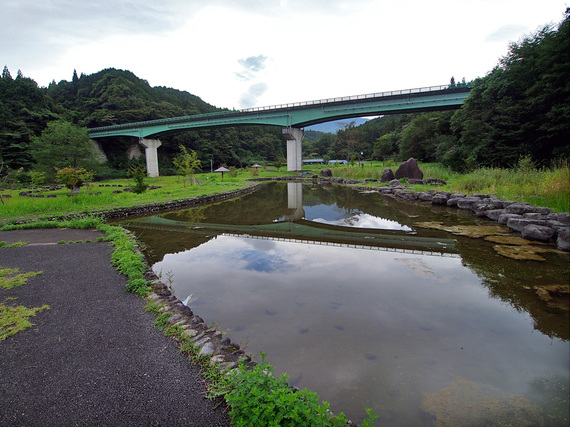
(294, 137)
(295, 209)
(151, 154)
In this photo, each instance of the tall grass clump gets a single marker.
(524, 183)
(127, 259)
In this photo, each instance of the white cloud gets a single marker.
(291, 50)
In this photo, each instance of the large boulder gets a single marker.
(563, 241)
(494, 214)
(425, 196)
(468, 202)
(537, 232)
(440, 198)
(326, 172)
(522, 208)
(409, 169)
(563, 217)
(387, 175)
(434, 181)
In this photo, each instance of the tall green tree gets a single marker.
(384, 146)
(426, 137)
(24, 113)
(186, 162)
(63, 144)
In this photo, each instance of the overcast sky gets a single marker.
(243, 53)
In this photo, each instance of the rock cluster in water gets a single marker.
(534, 223)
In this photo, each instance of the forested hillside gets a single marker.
(520, 109)
(115, 96)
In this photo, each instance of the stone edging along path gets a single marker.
(535, 223)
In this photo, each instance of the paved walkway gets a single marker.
(94, 358)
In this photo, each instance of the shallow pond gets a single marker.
(363, 299)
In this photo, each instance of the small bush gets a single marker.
(138, 174)
(257, 398)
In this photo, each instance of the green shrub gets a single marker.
(73, 177)
(257, 398)
(138, 174)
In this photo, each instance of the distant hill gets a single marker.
(312, 135)
(335, 126)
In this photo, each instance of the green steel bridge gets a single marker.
(291, 117)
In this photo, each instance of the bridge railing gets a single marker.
(356, 97)
(280, 106)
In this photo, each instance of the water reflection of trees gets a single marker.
(514, 282)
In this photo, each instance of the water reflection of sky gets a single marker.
(362, 327)
(333, 215)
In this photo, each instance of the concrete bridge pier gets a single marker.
(294, 138)
(151, 154)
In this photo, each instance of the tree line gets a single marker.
(520, 109)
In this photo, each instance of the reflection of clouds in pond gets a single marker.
(361, 220)
(261, 261)
(333, 317)
(327, 212)
(264, 245)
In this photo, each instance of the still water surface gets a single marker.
(435, 329)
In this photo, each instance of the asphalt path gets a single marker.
(94, 358)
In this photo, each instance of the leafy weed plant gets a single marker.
(161, 321)
(153, 307)
(127, 259)
(12, 245)
(14, 319)
(257, 398)
(9, 277)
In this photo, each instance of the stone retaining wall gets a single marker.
(176, 204)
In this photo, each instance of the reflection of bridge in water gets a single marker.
(309, 232)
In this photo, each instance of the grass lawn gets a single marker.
(110, 194)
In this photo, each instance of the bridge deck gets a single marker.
(301, 114)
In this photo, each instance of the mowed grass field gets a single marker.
(110, 194)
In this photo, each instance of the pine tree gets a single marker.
(6, 73)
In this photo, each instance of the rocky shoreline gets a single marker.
(532, 222)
